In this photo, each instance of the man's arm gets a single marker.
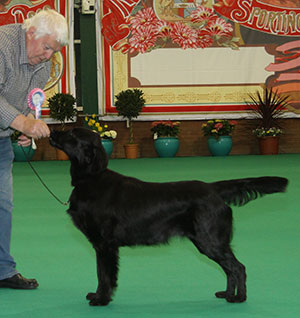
(31, 127)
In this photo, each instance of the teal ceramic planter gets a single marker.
(19, 153)
(220, 146)
(166, 146)
(108, 146)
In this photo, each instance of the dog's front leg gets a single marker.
(107, 272)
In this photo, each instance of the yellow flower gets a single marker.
(94, 123)
(213, 130)
(204, 125)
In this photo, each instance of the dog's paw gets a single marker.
(221, 294)
(239, 299)
(97, 300)
(230, 298)
(90, 296)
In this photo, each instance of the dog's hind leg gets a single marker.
(236, 278)
(234, 270)
(107, 272)
(211, 234)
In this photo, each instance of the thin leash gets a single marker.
(43, 183)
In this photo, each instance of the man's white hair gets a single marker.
(48, 22)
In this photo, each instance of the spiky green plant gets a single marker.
(268, 107)
(129, 104)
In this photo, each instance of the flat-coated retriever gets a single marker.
(113, 210)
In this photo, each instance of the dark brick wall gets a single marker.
(192, 141)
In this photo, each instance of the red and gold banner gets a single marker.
(17, 12)
(267, 16)
(115, 20)
(199, 58)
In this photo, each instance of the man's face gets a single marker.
(41, 49)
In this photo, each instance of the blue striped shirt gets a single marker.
(17, 76)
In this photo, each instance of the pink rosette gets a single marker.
(35, 101)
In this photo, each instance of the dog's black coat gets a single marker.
(114, 210)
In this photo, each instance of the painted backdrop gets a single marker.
(199, 57)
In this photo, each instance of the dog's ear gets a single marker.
(87, 156)
(100, 157)
(93, 157)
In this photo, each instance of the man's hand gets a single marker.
(24, 141)
(31, 127)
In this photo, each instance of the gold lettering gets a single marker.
(281, 22)
(281, 19)
(242, 12)
(262, 19)
(255, 12)
(297, 24)
(290, 22)
(276, 21)
(270, 24)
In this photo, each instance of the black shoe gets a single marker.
(18, 282)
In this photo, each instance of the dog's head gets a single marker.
(84, 149)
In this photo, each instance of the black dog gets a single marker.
(114, 210)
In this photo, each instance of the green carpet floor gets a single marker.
(165, 281)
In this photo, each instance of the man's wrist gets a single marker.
(19, 123)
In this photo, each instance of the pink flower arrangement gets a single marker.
(163, 29)
(144, 17)
(203, 15)
(219, 28)
(143, 39)
(218, 127)
(204, 29)
(165, 128)
(185, 36)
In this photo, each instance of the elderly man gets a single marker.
(25, 53)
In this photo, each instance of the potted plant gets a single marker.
(268, 108)
(21, 153)
(62, 108)
(165, 135)
(219, 133)
(129, 103)
(107, 135)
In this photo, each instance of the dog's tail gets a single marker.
(240, 191)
